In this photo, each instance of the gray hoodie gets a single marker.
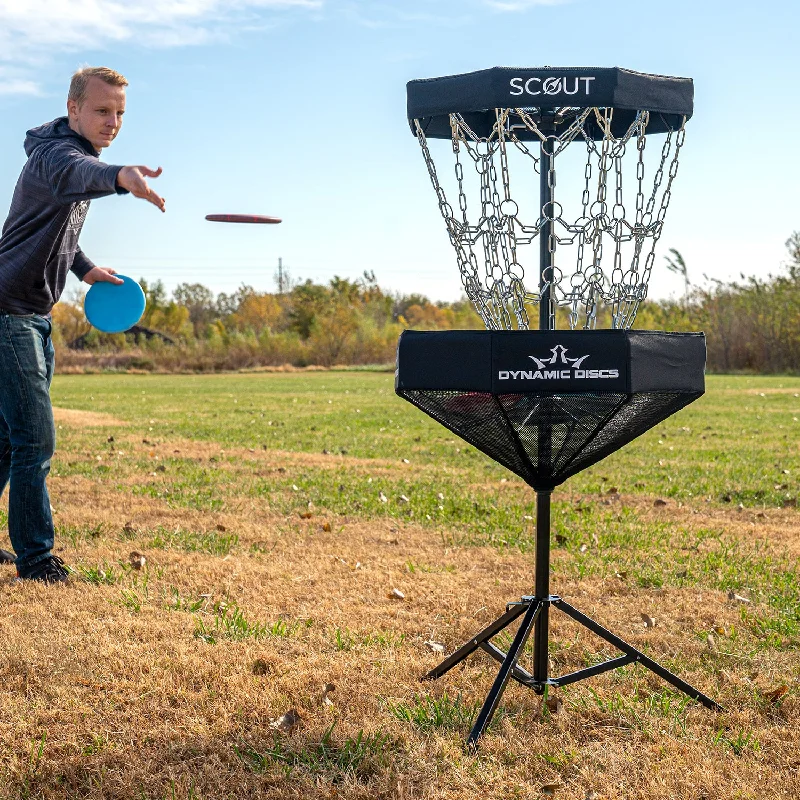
(39, 242)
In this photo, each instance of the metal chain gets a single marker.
(491, 241)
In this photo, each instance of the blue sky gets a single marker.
(296, 108)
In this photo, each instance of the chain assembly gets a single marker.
(601, 249)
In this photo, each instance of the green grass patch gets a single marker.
(356, 756)
(212, 542)
(739, 742)
(102, 574)
(346, 640)
(428, 713)
(733, 445)
(175, 601)
(77, 533)
(229, 622)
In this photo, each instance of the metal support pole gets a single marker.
(546, 322)
(546, 200)
(541, 664)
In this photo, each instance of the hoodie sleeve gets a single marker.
(82, 264)
(73, 176)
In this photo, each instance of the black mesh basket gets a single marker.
(548, 404)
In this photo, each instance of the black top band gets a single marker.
(476, 94)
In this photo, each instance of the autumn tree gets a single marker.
(199, 302)
(257, 312)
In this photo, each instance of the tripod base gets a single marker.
(532, 608)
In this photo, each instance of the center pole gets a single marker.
(547, 179)
(541, 663)
(541, 634)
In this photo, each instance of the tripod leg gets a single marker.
(475, 642)
(499, 685)
(637, 655)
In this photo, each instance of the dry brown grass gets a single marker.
(84, 419)
(102, 699)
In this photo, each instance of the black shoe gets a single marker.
(6, 557)
(48, 570)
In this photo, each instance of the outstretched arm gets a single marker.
(133, 179)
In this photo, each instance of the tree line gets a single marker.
(751, 324)
(352, 322)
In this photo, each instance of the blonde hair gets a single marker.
(77, 86)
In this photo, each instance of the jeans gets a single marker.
(27, 433)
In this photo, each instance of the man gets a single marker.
(38, 246)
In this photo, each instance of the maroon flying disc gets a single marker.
(257, 219)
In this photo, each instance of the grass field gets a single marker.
(264, 649)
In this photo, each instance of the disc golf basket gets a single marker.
(548, 403)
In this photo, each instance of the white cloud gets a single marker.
(18, 86)
(14, 80)
(31, 32)
(521, 5)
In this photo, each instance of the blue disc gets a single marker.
(114, 308)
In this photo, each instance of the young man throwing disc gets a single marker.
(38, 246)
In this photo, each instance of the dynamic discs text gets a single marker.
(556, 374)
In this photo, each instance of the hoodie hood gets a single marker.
(58, 129)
